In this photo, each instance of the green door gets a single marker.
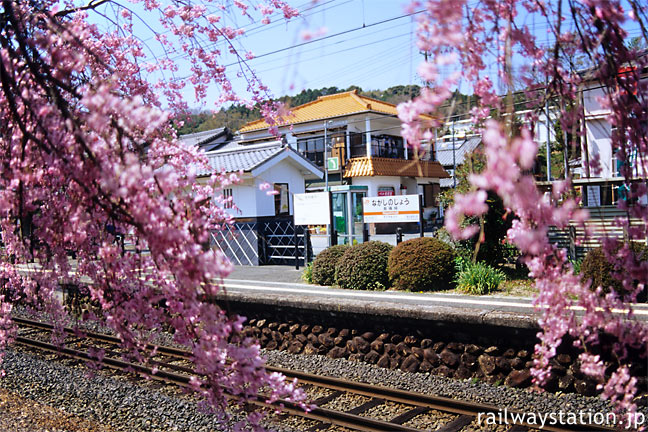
(357, 216)
(340, 216)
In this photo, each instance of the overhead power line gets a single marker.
(330, 36)
(312, 41)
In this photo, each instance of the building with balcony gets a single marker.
(605, 186)
(357, 141)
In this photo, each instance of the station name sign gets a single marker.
(398, 208)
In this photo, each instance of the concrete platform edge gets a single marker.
(421, 313)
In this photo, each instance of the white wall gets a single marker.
(373, 183)
(244, 198)
(598, 132)
(411, 185)
(252, 202)
(591, 105)
(599, 143)
(282, 172)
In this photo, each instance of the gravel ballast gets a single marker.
(117, 404)
(522, 400)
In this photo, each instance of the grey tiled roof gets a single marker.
(462, 147)
(199, 137)
(207, 140)
(243, 158)
(235, 157)
(446, 183)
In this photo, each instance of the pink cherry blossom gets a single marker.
(477, 34)
(89, 153)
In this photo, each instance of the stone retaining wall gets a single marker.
(503, 358)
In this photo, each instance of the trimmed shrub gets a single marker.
(422, 264)
(477, 278)
(602, 271)
(323, 271)
(364, 266)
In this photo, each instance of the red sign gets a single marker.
(386, 191)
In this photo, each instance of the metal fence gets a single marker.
(263, 241)
(238, 242)
(605, 222)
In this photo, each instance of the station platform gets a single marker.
(283, 286)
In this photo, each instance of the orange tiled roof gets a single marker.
(376, 166)
(329, 106)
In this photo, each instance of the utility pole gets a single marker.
(326, 184)
(565, 154)
(435, 148)
(454, 156)
(548, 138)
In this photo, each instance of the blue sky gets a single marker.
(368, 43)
(375, 49)
(370, 53)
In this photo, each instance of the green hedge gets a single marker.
(364, 266)
(422, 264)
(323, 272)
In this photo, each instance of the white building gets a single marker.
(261, 167)
(360, 137)
(601, 187)
(274, 164)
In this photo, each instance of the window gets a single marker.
(282, 206)
(430, 194)
(388, 146)
(358, 147)
(227, 199)
(312, 149)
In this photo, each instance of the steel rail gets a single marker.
(466, 411)
(320, 414)
(160, 375)
(170, 351)
(454, 406)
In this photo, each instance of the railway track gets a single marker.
(334, 407)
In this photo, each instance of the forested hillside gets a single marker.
(236, 116)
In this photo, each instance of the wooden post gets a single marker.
(296, 240)
(307, 248)
(421, 228)
(332, 233)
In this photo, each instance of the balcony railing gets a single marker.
(392, 152)
(317, 157)
(386, 146)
